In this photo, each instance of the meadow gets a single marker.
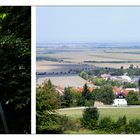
(114, 113)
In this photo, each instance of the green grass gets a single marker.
(114, 113)
(85, 131)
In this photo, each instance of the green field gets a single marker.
(114, 113)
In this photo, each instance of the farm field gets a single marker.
(51, 66)
(74, 56)
(115, 65)
(65, 81)
(114, 113)
(94, 56)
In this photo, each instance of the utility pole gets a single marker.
(3, 120)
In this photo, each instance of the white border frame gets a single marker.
(68, 2)
(33, 70)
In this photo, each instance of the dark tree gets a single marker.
(15, 67)
(86, 92)
(90, 118)
(67, 98)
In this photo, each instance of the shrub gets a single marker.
(89, 102)
(132, 98)
(134, 126)
(120, 126)
(90, 118)
(106, 124)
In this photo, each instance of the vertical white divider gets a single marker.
(33, 70)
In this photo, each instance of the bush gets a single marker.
(67, 124)
(106, 124)
(48, 123)
(134, 126)
(54, 124)
(121, 126)
(132, 98)
(90, 118)
(89, 102)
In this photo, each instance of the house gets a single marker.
(59, 89)
(126, 78)
(106, 76)
(120, 100)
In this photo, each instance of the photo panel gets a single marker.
(87, 70)
(15, 69)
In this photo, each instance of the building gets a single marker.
(120, 100)
(106, 76)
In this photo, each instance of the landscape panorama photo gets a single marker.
(88, 70)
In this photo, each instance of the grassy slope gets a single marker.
(114, 113)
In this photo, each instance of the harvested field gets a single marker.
(51, 66)
(65, 81)
(111, 55)
(115, 65)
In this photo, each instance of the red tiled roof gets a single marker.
(80, 89)
(125, 92)
(59, 87)
(91, 89)
(116, 89)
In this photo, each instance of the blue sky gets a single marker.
(88, 24)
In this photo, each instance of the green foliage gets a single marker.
(121, 125)
(15, 71)
(90, 118)
(112, 71)
(48, 120)
(86, 92)
(130, 85)
(132, 98)
(134, 126)
(98, 81)
(84, 75)
(114, 83)
(47, 101)
(106, 124)
(134, 71)
(87, 96)
(73, 98)
(67, 98)
(89, 102)
(104, 94)
(47, 98)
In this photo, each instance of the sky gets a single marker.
(87, 24)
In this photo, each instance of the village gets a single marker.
(121, 85)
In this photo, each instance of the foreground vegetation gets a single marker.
(50, 120)
(90, 123)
